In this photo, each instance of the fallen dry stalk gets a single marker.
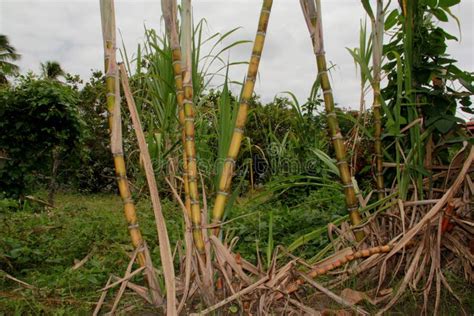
(22, 283)
(332, 295)
(163, 239)
(101, 299)
(231, 298)
(83, 261)
(437, 208)
(336, 263)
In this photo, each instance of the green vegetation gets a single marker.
(8, 55)
(41, 248)
(42, 125)
(262, 181)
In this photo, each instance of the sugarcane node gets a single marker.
(320, 271)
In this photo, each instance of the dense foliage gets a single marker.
(286, 188)
(38, 116)
(424, 85)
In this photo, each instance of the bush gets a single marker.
(40, 116)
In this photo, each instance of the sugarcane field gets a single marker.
(236, 157)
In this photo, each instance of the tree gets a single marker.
(40, 117)
(8, 54)
(52, 70)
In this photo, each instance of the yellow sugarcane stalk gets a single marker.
(184, 96)
(234, 147)
(115, 125)
(312, 13)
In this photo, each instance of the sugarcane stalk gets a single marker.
(180, 101)
(312, 13)
(236, 140)
(184, 97)
(188, 110)
(334, 264)
(115, 124)
(377, 36)
(163, 239)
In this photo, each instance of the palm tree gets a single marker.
(51, 70)
(7, 55)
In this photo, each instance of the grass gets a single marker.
(41, 247)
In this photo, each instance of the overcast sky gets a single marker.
(69, 32)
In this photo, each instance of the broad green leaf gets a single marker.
(440, 14)
(448, 3)
(391, 20)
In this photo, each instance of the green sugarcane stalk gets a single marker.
(377, 35)
(312, 12)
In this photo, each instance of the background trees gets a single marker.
(51, 70)
(8, 55)
(37, 117)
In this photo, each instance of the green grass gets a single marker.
(40, 248)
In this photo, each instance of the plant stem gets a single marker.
(163, 239)
(312, 13)
(115, 124)
(377, 35)
(184, 96)
(225, 181)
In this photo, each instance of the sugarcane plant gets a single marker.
(312, 13)
(115, 126)
(377, 22)
(362, 56)
(236, 139)
(184, 97)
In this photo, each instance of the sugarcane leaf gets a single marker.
(328, 161)
(368, 9)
